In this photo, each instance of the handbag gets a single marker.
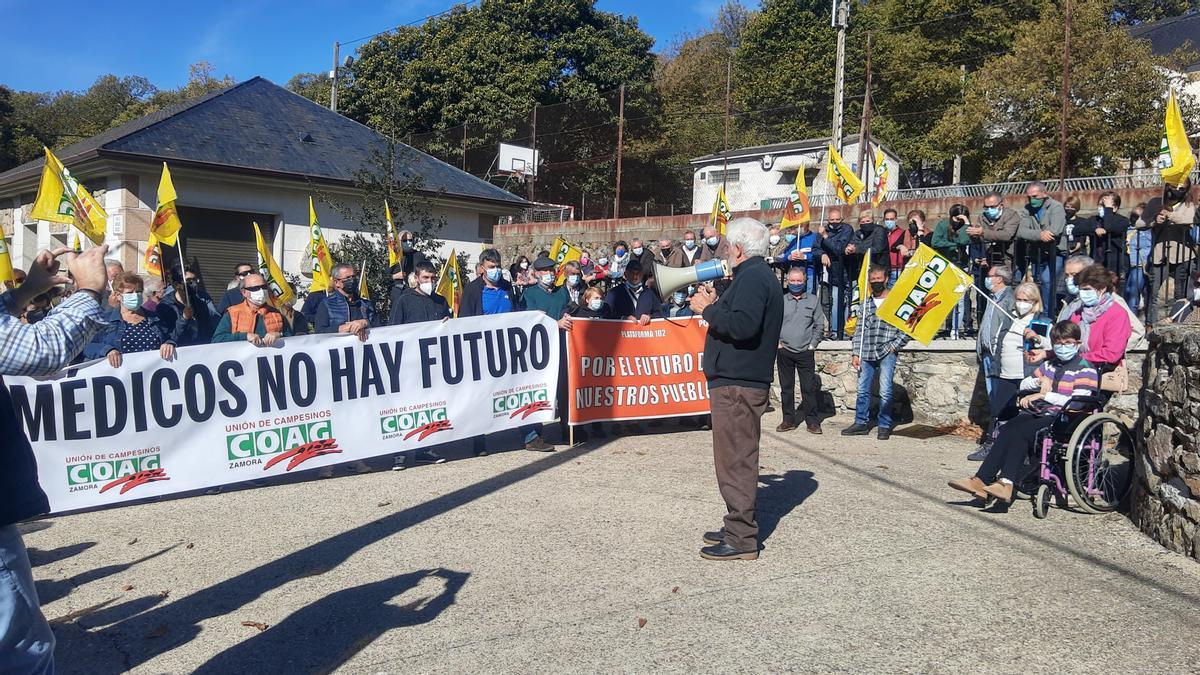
(1115, 380)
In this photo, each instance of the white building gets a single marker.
(1169, 35)
(254, 152)
(763, 176)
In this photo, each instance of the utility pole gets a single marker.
(728, 109)
(464, 147)
(841, 20)
(958, 156)
(532, 178)
(620, 147)
(864, 134)
(1066, 102)
(333, 75)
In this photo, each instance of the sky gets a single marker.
(242, 38)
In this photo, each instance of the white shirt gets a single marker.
(1012, 350)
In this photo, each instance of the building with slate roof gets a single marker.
(252, 152)
(1169, 35)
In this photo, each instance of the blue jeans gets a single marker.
(26, 643)
(1135, 288)
(886, 367)
(986, 366)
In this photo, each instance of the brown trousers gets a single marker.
(737, 428)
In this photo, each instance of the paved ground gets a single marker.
(519, 562)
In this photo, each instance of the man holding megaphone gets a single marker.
(739, 364)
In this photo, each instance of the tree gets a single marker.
(315, 87)
(8, 131)
(1009, 118)
(1131, 12)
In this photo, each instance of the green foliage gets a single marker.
(1129, 12)
(1009, 119)
(315, 87)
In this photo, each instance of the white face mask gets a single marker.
(637, 250)
(258, 297)
(774, 239)
(1196, 295)
(426, 287)
(595, 304)
(1023, 307)
(572, 279)
(524, 265)
(547, 278)
(603, 261)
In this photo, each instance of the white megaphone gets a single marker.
(671, 279)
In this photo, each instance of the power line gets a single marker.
(444, 12)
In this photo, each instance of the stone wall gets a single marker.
(1166, 490)
(939, 384)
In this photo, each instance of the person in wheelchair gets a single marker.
(1057, 379)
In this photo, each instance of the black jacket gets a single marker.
(472, 297)
(407, 263)
(834, 244)
(1108, 249)
(743, 329)
(621, 304)
(874, 238)
(412, 306)
(231, 297)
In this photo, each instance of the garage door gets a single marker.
(215, 240)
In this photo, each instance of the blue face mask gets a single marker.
(796, 289)
(988, 283)
(789, 237)
(1090, 297)
(890, 224)
(678, 297)
(712, 241)
(131, 300)
(991, 212)
(406, 245)
(689, 243)
(1101, 211)
(1071, 287)
(620, 252)
(494, 274)
(1065, 353)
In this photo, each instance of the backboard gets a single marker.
(517, 159)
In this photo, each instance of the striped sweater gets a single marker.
(1077, 377)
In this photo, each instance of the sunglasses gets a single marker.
(256, 288)
(242, 274)
(344, 279)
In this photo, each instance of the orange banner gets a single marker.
(618, 370)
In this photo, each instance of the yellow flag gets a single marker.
(393, 240)
(856, 294)
(924, 295)
(562, 253)
(322, 262)
(796, 210)
(281, 291)
(62, 199)
(449, 284)
(882, 169)
(152, 261)
(1175, 157)
(6, 269)
(721, 212)
(845, 184)
(165, 226)
(76, 245)
(364, 290)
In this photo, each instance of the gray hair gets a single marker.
(1085, 261)
(751, 235)
(1003, 272)
(337, 269)
(994, 195)
(1036, 184)
(151, 284)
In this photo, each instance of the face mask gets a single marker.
(1065, 353)
(988, 283)
(258, 297)
(1036, 202)
(1101, 211)
(1090, 297)
(890, 224)
(620, 253)
(572, 279)
(493, 274)
(634, 285)
(638, 250)
(406, 245)
(547, 279)
(524, 265)
(1023, 307)
(678, 297)
(1071, 212)
(790, 238)
(1071, 287)
(426, 287)
(603, 261)
(595, 304)
(834, 225)
(131, 300)
(712, 241)
(350, 286)
(795, 289)
(991, 212)
(689, 243)
(774, 239)
(877, 287)
(584, 260)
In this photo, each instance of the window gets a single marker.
(719, 176)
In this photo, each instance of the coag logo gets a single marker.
(251, 444)
(921, 299)
(523, 403)
(419, 423)
(127, 473)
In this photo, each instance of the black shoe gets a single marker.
(399, 463)
(723, 551)
(980, 454)
(785, 426)
(428, 457)
(856, 430)
(539, 445)
(883, 434)
(715, 538)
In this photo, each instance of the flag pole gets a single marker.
(187, 300)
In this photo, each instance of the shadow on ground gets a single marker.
(780, 495)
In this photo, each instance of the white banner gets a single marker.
(233, 412)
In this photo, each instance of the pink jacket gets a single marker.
(1108, 336)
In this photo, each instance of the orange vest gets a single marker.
(243, 318)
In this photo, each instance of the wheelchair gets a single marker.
(1085, 454)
